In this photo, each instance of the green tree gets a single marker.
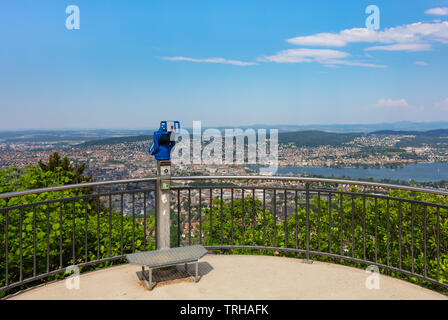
(80, 228)
(72, 174)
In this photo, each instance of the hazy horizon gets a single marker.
(421, 126)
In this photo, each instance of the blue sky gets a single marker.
(235, 62)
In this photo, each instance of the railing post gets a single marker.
(163, 204)
(307, 196)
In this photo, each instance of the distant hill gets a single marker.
(67, 135)
(353, 128)
(117, 140)
(430, 133)
(34, 135)
(309, 138)
(314, 138)
(435, 138)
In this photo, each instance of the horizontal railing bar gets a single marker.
(74, 186)
(324, 180)
(183, 178)
(83, 197)
(385, 197)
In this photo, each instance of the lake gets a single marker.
(421, 172)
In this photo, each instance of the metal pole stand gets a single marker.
(163, 204)
(163, 214)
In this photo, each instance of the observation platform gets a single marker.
(235, 277)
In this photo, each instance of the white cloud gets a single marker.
(437, 11)
(400, 103)
(409, 37)
(211, 60)
(443, 104)
(415, 33)
(305, 55)
(402, 47)
(326, 57)
(352, 63)
(421, 63)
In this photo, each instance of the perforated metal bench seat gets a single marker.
(166, 258)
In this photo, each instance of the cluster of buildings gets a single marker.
(131, 159)
(365, 151)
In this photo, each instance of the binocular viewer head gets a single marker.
(164, 140)
(170, 126)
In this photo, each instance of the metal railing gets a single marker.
(397, 228)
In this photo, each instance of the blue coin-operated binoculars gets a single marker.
(164, 140)
(162, 144)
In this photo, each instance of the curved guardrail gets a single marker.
(193, 178)
(398, 228)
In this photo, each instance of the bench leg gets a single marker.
(148, 280)
(196, 279)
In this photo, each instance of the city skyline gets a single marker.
(131, 65)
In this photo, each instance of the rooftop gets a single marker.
(235, 277)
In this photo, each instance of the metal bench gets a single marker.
(167, 258)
